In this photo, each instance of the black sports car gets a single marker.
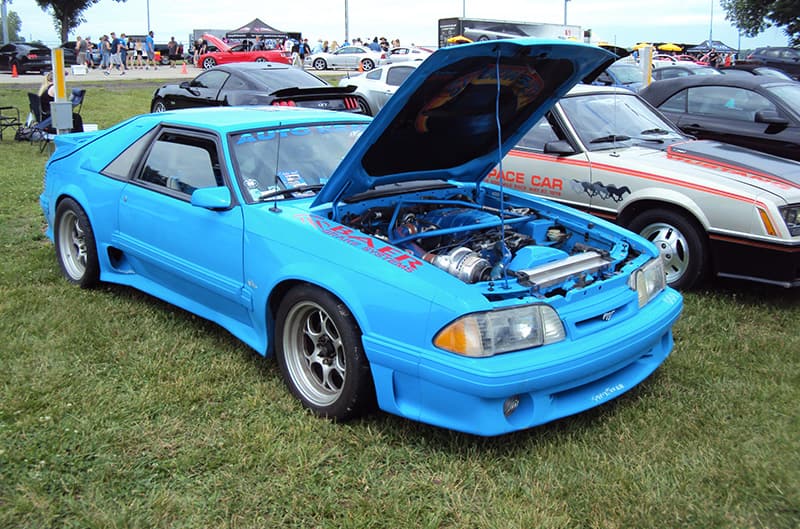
(25, 56)
(261, 83)
(751, 111)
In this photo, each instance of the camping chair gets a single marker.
(9, 119)
(40, 129)
(78, 95)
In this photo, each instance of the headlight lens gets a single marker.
(648, 281)
(791, 216)
(501, 331)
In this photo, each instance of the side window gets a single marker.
(234, 83)
(398, 74)
(181, 163)
(727, 102)
(122, 166)
(539, 135)
(375, 75)
(213, 80)
(676, 103)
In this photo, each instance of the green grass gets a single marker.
(118, 411)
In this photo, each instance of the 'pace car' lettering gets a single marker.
(375, 247)
(542, 185)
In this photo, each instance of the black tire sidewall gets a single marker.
(695, 240)
(91, 275)
(358, 393)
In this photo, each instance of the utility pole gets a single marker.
(565, 12)
(346, 23)
(4, 15)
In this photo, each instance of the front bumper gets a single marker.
(468, 394)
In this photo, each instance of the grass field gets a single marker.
(119, 411)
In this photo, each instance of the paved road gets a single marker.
(162, 73)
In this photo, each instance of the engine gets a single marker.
(468, 241)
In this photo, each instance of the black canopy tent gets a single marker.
(256, 28)
(709, 45)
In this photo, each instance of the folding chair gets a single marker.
(9, 119)
(41, 129)
(78, 95)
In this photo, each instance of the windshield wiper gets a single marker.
(290, 190)
(655, 131)
(610, 138)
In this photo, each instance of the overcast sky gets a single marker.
(620, 22)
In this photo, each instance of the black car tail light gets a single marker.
(32, 56)
(288, 103)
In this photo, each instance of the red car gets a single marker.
(225, 54)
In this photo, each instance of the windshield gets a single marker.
(271, 160)
(627, 73)
(788, 93)
(603, 121)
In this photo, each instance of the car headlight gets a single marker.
(501, 331)
(791, 216)
(648, 281)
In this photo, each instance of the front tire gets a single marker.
(208, 63)
(75, 245)
(261, 59)
(680, 242)
(320, 64)
(320, 354)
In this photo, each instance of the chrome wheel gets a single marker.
(261, 59)
(75, 244)
(72, 245)
(320, 64)
(315, 355)
(208, 62)
(159, 106)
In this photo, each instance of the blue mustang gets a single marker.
(368, 255)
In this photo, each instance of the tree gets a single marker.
(67, 14)
(14, 26)
(752, 17)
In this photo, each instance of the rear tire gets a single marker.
(75, 245)
(320, 354)
(158, 106)
(367, 65)
(680, 241)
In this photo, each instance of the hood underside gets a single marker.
(442, 124)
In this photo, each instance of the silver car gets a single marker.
(378, 85)
(710, 207)
(346, 57)
(405, 54)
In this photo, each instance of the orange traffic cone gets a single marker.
(360, 67)
(183, 68)
(14, 72)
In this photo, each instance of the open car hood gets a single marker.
(216, 41)
(442, 122)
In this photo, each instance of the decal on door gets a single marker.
(597, 189)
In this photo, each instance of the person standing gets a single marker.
(80, 51)
(172, 51)
(105, 52)
(116, 57)
(150, 51)
(89, 52)
(123, 52)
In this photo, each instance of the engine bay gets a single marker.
(493, 239)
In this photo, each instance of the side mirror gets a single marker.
(213, 198)
(770, 117)
(560, 147)
(186, 85)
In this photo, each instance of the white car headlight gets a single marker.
(791, 216)
(501, 331)
(648, 281)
